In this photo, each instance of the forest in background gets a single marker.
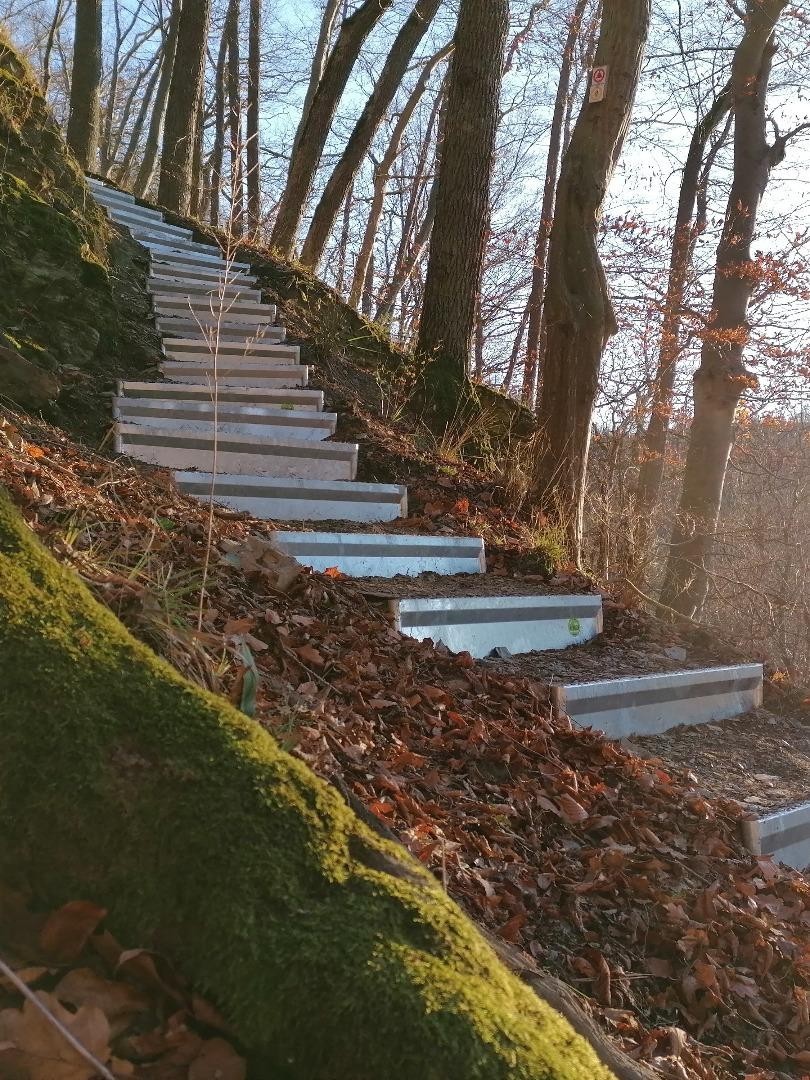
(321, 130)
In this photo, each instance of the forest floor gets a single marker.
(621, 875)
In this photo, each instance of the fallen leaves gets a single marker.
(127, 1009)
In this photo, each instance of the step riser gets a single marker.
(519, 623)
(132, 218)
(199, 419)
(154, 227)
(784, 834)
(200, 313)
(305, 461)
(163, 238)
(229, 330)
(358, 555)
(200, 276)
(198, 349)
(165, 255)
(272, 501)
(226, 358)
(298, 401)
(655, 703)
(197, 291)
(268, 378)
(232, 308)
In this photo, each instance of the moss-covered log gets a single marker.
(331, 952)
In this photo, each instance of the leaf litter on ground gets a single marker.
(614, 873)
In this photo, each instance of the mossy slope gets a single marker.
(333, 954)
(56, 305)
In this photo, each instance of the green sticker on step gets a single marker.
(574, 626)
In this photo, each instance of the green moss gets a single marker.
(333, 954)
(55, 296)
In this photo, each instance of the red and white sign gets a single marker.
(599, 78)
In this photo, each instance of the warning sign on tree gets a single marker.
(599, 79)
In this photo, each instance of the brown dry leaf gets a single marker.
(572, 811)
(151, 971)
(510, 931)
(218, 1060)
(310, 655)
(28, 975)
(67, 930)
(117, 1000)
(43, 1053)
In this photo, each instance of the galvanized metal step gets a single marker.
(384, 554)
(261, 375)
(163, 254)
(199, 290)
(306, 401)
(252, 455)
(231, 418)
(783, 834)
(274, 499)
(232, 330)
(252, 317)
(201, 348)
(650, 704)
(521, 624)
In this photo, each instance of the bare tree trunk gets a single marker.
(145, 95)
(146, 171)
(343, 243)
(402, 51)
(330, 16)
(456, 258)
(409, 260)
(254, 193)
(56, 22)
(84, 118)
(196, 204)
(722, 377)
(513, 356)
(218, 150)
(578, 310)
(318, 120)
(684, 238)
(174, 190)
(535, 305)
(237, 193)
(383, 172)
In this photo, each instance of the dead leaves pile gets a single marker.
(127, 1008)
(612, 873)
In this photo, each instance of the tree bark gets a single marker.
(174, 190)
(722, 377)
(578, 309)
(254, 191)
(382, 174)
(684, 238)
(145, 94)
(218, 149)
(318, 120)
(85, 109)
(402, 51)
(237, 187)
(535, 305)
(329, 949)
(146, 171)
(455, 263)
(322, 49)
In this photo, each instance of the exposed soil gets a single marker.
(762, 760)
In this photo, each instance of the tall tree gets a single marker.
(688, 227)
(146, 170)
(254, 76)
(218, 149)
(318, 120)
(382, 173)
(84, 118)
(578, 310)
(722, 376)
(535, 303)
(402, 51)
(456, 258)
(237, 186)
(174, 190)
